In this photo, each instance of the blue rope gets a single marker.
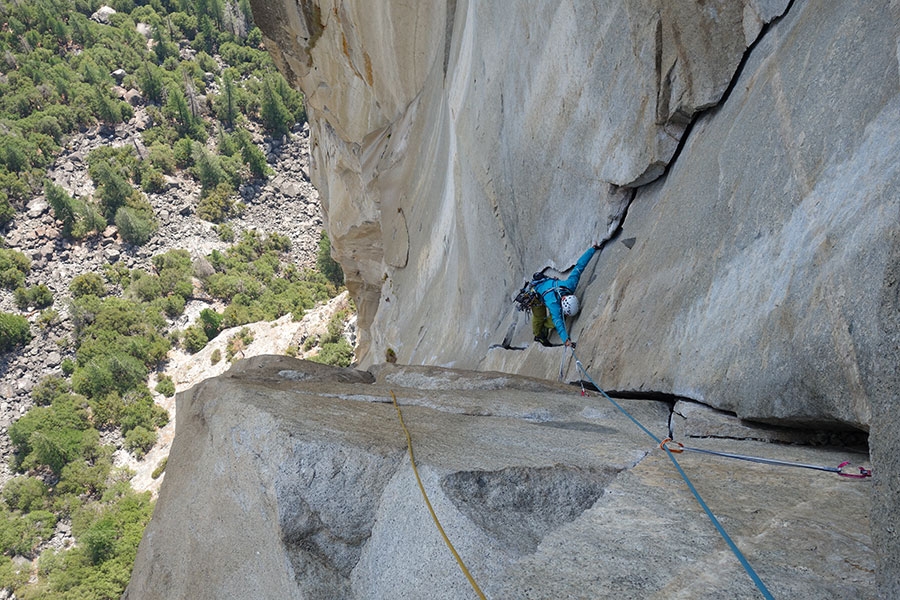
(744, 563)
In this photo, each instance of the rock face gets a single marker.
(289, 479)
(745, 150)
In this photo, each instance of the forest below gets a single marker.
(211, 103)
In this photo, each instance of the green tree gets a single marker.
(226, 105)
(151, 82)
(326, 264)
(136, 226)
(25, 494)
(14, 331)
(61, 203)
(14, 265)
(252, 156)
(140, 440)
(52, 436)
(211, 322)
(194, 338)
(87, 284)
(112, 186)
(339, 354)
(208, 169)
(275, 116)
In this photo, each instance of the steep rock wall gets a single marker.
(461, 145)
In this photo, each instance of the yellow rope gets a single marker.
(412, 461)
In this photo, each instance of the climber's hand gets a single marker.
(570, 343)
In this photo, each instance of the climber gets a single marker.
(547, 294)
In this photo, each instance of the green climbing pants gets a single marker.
(541, 321)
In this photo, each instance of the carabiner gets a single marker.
(664, 445)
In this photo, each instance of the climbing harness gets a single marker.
(863, 472)
(412, 461)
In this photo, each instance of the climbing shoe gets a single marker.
(543, 340)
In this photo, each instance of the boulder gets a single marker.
(103, 14)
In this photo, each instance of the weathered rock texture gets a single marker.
(289, 479)
(747, 149)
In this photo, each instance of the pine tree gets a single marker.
(150, 82)
(61, 203)
(275, 116)
(228, 108)
(113, 188)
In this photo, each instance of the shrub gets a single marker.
(166, 386)
(237, 343)
(103, 374)
(22, 534)
(194, 339)
(48, 318)
(216, 356)
(219, 204)
(25, 494)
(136, 226)
(67, 367)
(51, 436)
(14, 331)
(140, 410)
(139, 440)
(162, 156)
(172, 305)
(48, 389)
(87, 284)
(339, 354)
(146, 288)
(13, 267)
(160, 468)
(326, 264)
(225, 231)
(152, 180)
(38, 296)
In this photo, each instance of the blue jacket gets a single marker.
(551, 294)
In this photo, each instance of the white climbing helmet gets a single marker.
(570, 305)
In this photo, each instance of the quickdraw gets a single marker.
(863, 472)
